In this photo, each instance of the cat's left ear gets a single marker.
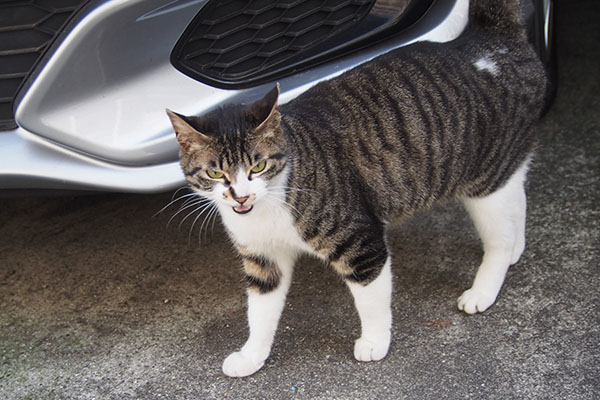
(265, 110)
(187, 136)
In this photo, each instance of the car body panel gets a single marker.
(93, 118)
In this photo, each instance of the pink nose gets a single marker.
(241, 200)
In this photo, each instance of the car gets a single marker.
(84, 84)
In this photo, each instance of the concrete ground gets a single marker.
(101, 300)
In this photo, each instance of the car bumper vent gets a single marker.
(26, 30)
(237, 43)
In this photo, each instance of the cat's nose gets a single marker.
(241, 200)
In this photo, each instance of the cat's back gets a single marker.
(477, 64)
(424, 122)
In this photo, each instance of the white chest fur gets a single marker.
(267, 229)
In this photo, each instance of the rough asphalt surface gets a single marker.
(99, 300)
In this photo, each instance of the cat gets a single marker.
(325, 173)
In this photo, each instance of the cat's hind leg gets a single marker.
(268, 283)
(500, 222)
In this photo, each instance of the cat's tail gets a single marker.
(504, 17)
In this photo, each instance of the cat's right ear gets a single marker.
(265, 109)
(186, 135)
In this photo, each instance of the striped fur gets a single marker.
(417, 126)
(414, 127)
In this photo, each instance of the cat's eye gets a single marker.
(259, 167)
(214, 174)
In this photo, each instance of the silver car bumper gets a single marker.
(93, 117)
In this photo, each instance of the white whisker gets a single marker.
(196, 203)
(214, 219)
(179, 189)
(196, 208)
(189, 200)
(201, 207)
(208, 207)
(173, 201)
(212, 213)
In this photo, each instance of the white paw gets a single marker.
(371, 350)
(473, 301)
(238, 365)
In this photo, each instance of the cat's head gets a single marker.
(235, 154)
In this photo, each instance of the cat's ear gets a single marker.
(187, 136)
(265, 110)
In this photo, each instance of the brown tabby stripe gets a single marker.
(261, 274)
(401, 133)
(416, 126)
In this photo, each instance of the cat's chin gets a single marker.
(243, 209)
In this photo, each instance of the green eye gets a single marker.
(259, 167)
(215, 174)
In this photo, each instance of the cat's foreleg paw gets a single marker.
(473, 301)
(371, 350)
(238, 365)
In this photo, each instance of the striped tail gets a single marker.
(504, 17)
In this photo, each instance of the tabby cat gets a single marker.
(326, 172)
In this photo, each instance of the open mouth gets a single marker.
(242, 209)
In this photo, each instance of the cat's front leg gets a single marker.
(373, 303)
(268, 283)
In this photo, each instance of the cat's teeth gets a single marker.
(242, 209)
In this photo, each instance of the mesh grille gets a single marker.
(26, 30)
(232, 41)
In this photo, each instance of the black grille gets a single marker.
(26, 30)
(239, 41)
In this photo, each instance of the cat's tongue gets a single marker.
(242, 209)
